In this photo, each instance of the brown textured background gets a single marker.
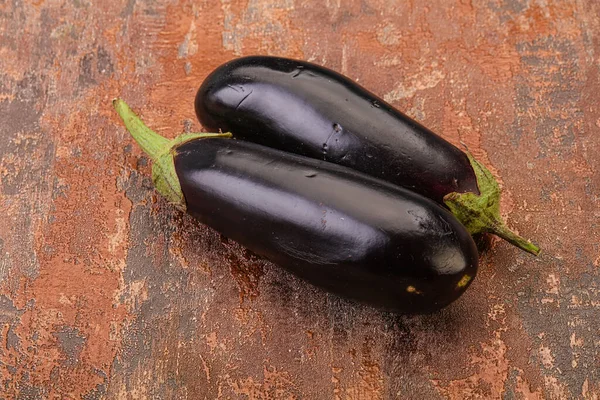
(108, 292)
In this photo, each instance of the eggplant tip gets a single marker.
(463, 281)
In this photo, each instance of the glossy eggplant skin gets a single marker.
(310, 110)
(341, 230)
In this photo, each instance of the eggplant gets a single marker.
(310, 110)
(341, 230)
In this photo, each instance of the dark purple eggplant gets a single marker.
(344, 231)
(313, 111)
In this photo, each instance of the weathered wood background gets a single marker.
(107, 292)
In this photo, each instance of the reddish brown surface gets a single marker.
(108, 292)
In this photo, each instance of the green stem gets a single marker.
(161, 150)
(514, 239)
(151, 142)
(481, 213)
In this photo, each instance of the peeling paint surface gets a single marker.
(106, 292)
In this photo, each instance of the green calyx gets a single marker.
(481, 213)
(161, 151)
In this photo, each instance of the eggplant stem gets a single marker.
(151, 142)
(162, 152)
(481, 213)
(514, 239)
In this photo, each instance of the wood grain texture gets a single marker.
(106, 292)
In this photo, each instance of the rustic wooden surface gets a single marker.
(107, 292)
